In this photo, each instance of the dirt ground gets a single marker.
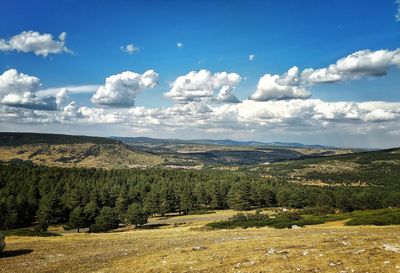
(189, 247)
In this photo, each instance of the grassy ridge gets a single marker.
(15, 139)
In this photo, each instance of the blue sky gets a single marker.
(217, 36)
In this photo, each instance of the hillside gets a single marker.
(15, 139)
(72, 151)
(376, 168)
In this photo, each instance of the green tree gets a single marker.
(106, 220)
(152, 201)
(186, 200)
(90, 212)
(136, 215)
(238, 196)
(76, 218)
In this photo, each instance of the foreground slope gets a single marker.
(325, 248)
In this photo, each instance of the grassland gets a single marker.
(188, 247)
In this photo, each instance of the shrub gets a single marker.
(381, 218)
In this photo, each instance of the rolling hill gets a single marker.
(73, 151)
(371, 168)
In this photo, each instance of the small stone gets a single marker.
(199, 247)
(393, 248)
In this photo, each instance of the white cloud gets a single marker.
(13, 82)
(61, 96)
(130, 49)
(179, 45)
(397, 16)
(21, 90)
(252, 57)
(120, 90)
(294, 84)
(32, 41)
(196, 86)
(356, 65)
(79, 89)
(275, 87)
(29, 100)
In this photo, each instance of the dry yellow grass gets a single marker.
(330, 247)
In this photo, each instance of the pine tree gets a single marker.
(238, 197)
(76, 218)
(136, 215)
(106, 220)
(90, 212)
(186, 201)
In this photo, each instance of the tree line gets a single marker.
(102, 199)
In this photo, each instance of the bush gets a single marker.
(318, 210)
(381, 218)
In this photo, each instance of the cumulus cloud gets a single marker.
(276, 87)
(200, 85)
(32, 41)
(30, 100)
(252, 57)
(120, 90)
(179, 45)
(356, 65)
(17, 89)
(13, 82)
(130, 49)
(296, 85)
(20, 90)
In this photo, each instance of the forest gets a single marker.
(101, 200)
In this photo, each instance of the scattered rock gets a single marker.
(237, 266)
(393, 248)
(346, 243)
(359, 251)
(305, 252)
(270, 251)
(199, 247)
(295, 227)
(283, 252)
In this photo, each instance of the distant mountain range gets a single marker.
(223, 142)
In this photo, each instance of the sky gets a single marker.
(316, 72)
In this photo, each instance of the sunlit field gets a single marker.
(183, 244)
